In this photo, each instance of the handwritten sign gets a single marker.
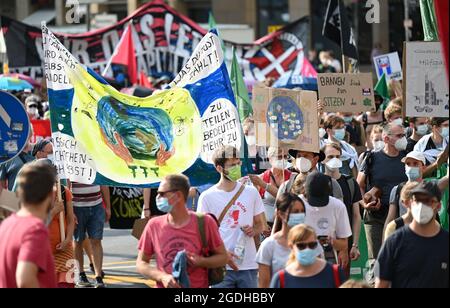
(347, 92)
(426, 83)
(126, 207)
(286, 118)
(390, 65)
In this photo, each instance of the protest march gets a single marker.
(160, 151)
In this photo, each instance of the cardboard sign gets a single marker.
(390, 65)
(426, 83)
(9, 201)
(347, 92)
(286, 119)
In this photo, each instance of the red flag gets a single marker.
(42, 129)
(441, 8)
(143, 81)
(125, 54)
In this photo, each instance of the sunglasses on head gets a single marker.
(303, 246)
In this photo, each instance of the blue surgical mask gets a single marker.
(296, 219)
(348, 120)
(445, 132)
(163, 205)
(339, 134)
(307, 257)
(422, 130)
(413, 173)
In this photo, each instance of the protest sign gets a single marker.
(346, 92)
(286, 119)
(14, 127)
(390, 65)
(425, 83)
(105, 137)
(126, 207)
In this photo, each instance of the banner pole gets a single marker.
(62, 214)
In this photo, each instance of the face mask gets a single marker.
(378, 145)
(279, 164)
(422, 130)
(422, 213)
(33, 111)
(444, 132)
(303, 165)
(296, 219)
(51, 158)
(288, 165)
(339, 134)
(413, 173)
(163, 205)
(401, 144)
(334, 164)
(322, 133)
(348, 120)
(251, 140)
(307, 256)
(398, 122)
(234, 173)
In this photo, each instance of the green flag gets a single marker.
(240, 90)
(382, 88)
(212, 24)
(429, 21)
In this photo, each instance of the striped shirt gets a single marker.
(86, 195)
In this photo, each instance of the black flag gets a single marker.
(337, 28)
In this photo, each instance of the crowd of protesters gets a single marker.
(296, 224)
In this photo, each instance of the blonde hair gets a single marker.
(406, 193)
(298, 187)
(391, 110)
(297, 234)
(354, 284)
(378, 129)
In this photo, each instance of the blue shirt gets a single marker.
(10, 169)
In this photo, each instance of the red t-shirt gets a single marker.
(25, 239)
(165, 241)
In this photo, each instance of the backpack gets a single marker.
(397, 196)
(337, 279)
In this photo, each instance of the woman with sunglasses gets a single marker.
(305, 269)
(274, 251)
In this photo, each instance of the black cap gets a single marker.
(318, 189)
(321, 154)
(430, 188)
(39, 146)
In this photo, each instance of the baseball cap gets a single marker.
(318, 189)
(415, 155)
(430, 188)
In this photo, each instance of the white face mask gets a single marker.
(398, 122)
(51, 158)
(422, 130)
(251, 140)
(334, 164)
(322, 133)
(378, 145)
(444, 132)
(401, 144)
(279, 164)
(303, 165)
(422, 213)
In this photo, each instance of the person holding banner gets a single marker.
(177, 231)
(26, 259)
(240, 212)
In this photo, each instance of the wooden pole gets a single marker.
(62, 228)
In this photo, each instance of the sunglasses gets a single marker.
(303, 246)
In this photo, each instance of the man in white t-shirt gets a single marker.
(328, 216)
(240, 212)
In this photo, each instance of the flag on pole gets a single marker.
(441, 9)
(143, 81)
(243, 101)
(382, 88)
(125, 54)
(337, 28)
(212, 24)
(429, 21)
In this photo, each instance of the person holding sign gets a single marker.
(26, 259)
